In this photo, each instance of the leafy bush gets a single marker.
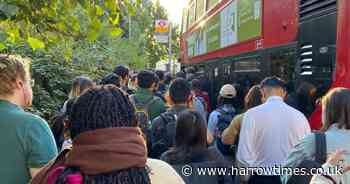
(65, 39)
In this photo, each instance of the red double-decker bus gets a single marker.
(297, 40)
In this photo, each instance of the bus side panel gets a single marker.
(342, 78)
(342, 70)
(280, 22)
(279, 27)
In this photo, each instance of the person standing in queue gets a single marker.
(144, 95)
(111, 79)
(336, 127)
(163, 129)
(221, 118)
(198, 92)
(27, 143)
(269, 132)
(108, 146)
(304, 98)
(251, 100)
(80, 84)
(162, 87)
(123, 73)
(191, 148)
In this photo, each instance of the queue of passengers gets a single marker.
(148, 127)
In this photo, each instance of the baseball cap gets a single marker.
(228, 91)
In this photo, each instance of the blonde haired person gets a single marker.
(251, 100)
(80, 84)
(26, 140)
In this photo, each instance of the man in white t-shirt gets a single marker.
(269, 132)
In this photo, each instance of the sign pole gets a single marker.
(172, 65)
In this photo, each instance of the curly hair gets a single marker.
(98, 108)
(11, 69)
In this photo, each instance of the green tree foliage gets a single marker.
(43, 22)
(154, 51)
(68, 38)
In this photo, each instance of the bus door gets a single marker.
(281, 63)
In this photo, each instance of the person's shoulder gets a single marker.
(34, 125)
(295, 112)
(161, 172)
(30, 119)
(158, 101)
(257, 109)
(157, 164)
(164, 157)
(290, 107)
(215, 112)
(162, 117)
(157, 121)
(216, 154)
(239, 117)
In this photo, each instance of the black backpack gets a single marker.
(224, 120)
(320, 158)
(165, 134)
(142, 113)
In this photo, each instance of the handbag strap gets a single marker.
(321, 148)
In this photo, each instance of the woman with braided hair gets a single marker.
(108, 147)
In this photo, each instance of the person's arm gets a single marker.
(64, 107)
(325, 179)
(34, 171)
(212, 122)
(231, 133)
(155, 125)
(304, 150)
(210, 138)
(330, 166)
(40, 144)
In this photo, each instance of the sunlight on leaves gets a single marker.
(35, 43)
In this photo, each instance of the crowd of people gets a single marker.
(145, 127)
